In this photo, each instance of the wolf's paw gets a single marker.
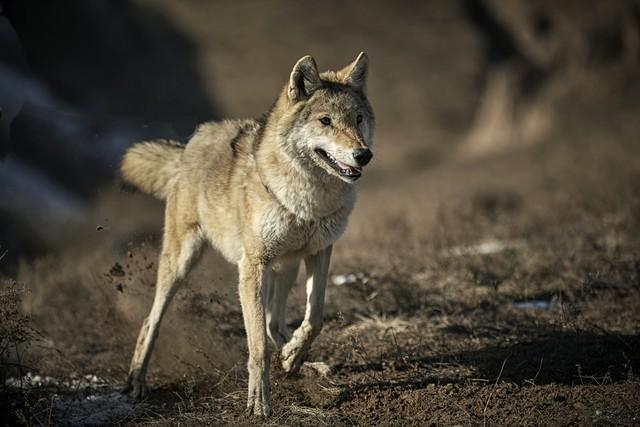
(259, 397)
(135, 388)
(292, 356)
(279, 337)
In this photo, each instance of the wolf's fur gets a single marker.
(266, 193)
(151, 165)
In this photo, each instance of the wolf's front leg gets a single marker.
(294, 352)
(280, 284)
(252, 299)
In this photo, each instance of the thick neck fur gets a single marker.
(303, 188)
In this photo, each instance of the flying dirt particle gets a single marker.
(99, 228)
(116, 270)
(120, 287)
(130, 254)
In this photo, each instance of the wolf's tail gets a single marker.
(152, 166)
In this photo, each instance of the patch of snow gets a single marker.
(83, 406)
(93, 410)
(348, 279)
(538, 304)
(31, 380)
(486, 247)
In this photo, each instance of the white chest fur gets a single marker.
(287, 236)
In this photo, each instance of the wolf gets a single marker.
(267, 194)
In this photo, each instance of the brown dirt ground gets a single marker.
(428, 335)
(431, 333)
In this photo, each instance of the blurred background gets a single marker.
(80, 82)
(506, 170)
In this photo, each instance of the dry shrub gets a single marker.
(16, 331)
(16, 336)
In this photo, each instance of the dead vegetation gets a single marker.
(492, 289)
(511, 303)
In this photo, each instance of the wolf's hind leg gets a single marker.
(280, 283)
(253, 295)
(180, 244)
(294, 351)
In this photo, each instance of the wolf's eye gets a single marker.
(325, 121)
(359, 118)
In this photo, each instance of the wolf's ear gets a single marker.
(304, 79)
(355, 74)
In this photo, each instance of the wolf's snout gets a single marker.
(362, 156)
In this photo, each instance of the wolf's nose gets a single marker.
(362, 156)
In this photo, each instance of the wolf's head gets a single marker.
(327, 119)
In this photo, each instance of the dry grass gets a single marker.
(375, 324)
(448, 247)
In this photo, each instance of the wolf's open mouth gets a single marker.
(342, 168)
